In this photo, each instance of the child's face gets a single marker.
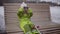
(25, 8)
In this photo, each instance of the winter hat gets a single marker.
(23, 5)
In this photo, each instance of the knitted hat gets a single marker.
(23, 5)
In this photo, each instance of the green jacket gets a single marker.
(24, 20)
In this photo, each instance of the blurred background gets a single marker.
(46, 14)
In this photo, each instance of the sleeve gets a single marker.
(30, 13)
(19, 13)
(31, 24)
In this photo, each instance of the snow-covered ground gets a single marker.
(55, 14)
(53, 1)
(2, 21)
